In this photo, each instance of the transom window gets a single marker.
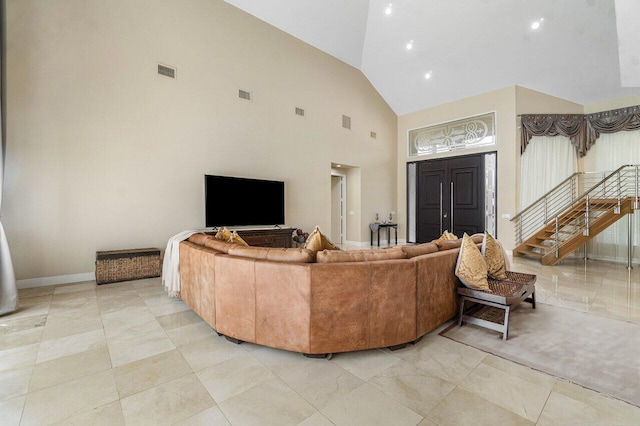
(471, 132)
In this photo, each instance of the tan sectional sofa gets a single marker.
(336, 301)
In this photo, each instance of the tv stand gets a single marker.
(276, 237)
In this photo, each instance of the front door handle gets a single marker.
(452, 206)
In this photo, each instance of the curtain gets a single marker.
(547, 162)
(583, 130)
(8, 288)
(612, 151)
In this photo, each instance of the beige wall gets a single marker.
(612, 104)
(103, 153)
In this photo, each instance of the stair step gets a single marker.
(540, 246)
(530, 253)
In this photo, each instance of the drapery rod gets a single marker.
(633, 108)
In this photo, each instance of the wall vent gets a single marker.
(300, 111)
(243, 94)
(167, 71)
(346, 122)
(373, 135)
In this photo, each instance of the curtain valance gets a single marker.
(615, 120)
(572, 126)
(581, 129)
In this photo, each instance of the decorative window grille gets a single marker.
(455, 135)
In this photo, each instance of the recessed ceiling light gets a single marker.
(388, 10)
(338, 165)
(428, 75)
(410, 45)
(536, 24)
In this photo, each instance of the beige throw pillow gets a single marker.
(471, 268)
(235, 238)
(446, 235)
(317, 241)
(494, 258)
(223, 234)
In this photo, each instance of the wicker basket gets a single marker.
(124, 265)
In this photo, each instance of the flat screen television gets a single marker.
(234, 201)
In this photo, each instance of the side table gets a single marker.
(375, 228)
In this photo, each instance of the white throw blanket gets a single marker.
(171, 263)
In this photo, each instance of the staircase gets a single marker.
(574, 212)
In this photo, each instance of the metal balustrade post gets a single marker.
(635, 201)
(545, 210)
(585, 232)
(557, 243)
(629, 241)
(617, 209)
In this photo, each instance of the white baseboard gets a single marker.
(382, 243)
(356, 243)
(60, 279)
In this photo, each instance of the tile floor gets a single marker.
(127, 354)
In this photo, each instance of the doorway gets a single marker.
(338, 207)
(452, 194)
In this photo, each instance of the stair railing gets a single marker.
(578, 188)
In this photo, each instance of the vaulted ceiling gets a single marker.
(581, 51)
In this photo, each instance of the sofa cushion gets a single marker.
(471, 268)
(219, 245)
(447, 244)
(248, 251)
(298, 255)
(478, 238)
(419, 250)
(494, 258)
(199, 238)
(334, 256)
(385, 254)
(317, 241)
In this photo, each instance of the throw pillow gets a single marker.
(235, 238)
(494, 258)
(223, 234)
(446, 235)
(317, 241)
(471, 268)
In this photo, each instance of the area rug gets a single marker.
(595, 352)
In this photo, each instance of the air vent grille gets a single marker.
(243, 94)
(373, 135)
(300, 111)
(346, 122)
(167, 71)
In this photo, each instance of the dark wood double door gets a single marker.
(450, 196)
